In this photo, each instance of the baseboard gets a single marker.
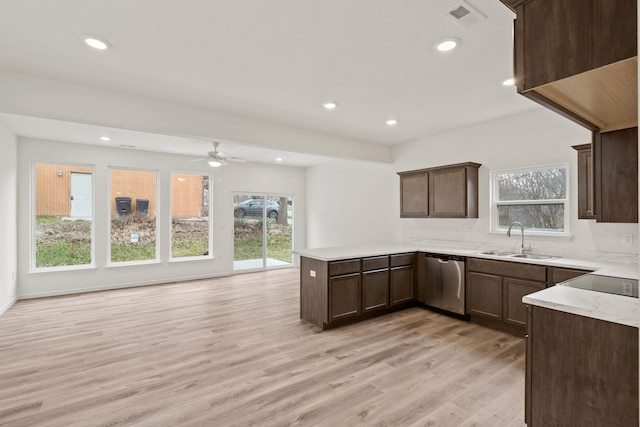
(116, 286)
(8, 305)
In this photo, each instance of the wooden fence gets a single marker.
(53, 190)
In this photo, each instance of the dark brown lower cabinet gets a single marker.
(375, 290)
(484, 295)
(495, 290)
(580, 371)
(514, 310)
(334, 293)
(401, 284)
(344, 296)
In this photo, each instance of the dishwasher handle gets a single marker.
(443, 259)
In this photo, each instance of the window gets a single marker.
(263, 231)
(133, 215)
(536, 197)
(63, 215)
(189, 215)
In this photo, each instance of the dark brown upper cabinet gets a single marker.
(414, 188)
(441, 192)
(608, 177)
(615, 176)
(585, 182)
(579, 58)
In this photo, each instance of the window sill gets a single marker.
(193, 258)
(63, 269)
(132, 263)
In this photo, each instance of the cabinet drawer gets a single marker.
(508, 269)
(402, 259)
(337, 268)
(557, 274)
(375, 263)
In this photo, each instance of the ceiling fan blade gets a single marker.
(198, 160)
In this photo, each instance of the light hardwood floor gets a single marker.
(233, 351)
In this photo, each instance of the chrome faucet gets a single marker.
(522, 250)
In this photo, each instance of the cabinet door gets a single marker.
(616, 176)
(375, 290)
(344, 296)
(448, 193)
(584, 371)
(585, 182)
(484, 295)
(413, 194)
(401, 284)
(515, 311)
(558, 39)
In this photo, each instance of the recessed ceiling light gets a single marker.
(447, 44)
(105, 138)
(278, 159)
(329, 105)
(392, 122)
(509, 82)
(96, 42)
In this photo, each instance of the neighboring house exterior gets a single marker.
(66, 190)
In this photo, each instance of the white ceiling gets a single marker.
(274, 60)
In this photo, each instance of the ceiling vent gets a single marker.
(465, 15)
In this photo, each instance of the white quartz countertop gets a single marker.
(602, 267)
(597, 305)
(613, 308)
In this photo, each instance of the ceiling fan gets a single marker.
(216, 158)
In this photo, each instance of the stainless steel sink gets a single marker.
(498, 253)
(515, 255)
(534, 256)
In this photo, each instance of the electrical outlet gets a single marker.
(627, 239)
(312, 273)
(467, 231)
(627, 288)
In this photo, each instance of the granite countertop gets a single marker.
(613, 308)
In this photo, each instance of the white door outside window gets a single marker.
(81, 195)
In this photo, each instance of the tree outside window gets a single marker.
(536, 197)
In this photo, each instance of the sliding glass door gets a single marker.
(263, 231)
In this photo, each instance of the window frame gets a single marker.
(494, 202)
(209, 218)
(33, 268)
(157, 259)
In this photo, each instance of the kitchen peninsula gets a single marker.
(582, 345)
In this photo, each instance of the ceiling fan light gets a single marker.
(214, 163)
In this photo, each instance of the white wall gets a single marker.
(537, 138)
(351, 203)
(250, 178)
(357, 203)
(9, 238)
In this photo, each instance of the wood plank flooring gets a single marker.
(233, 352)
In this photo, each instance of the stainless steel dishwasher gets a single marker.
(445, 282)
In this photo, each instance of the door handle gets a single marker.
(71, 197)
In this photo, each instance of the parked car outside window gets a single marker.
(253, 207)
